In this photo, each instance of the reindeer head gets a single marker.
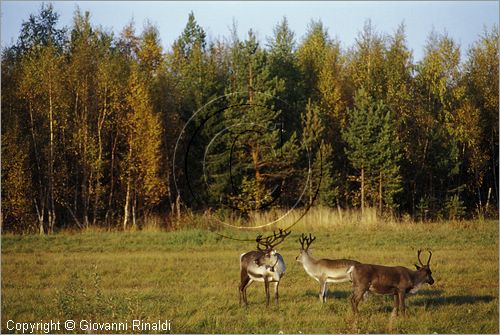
(267, 245)
(424, 271)
(305, 243)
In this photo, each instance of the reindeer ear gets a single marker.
(418, 267)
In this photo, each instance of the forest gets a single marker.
(108, 130)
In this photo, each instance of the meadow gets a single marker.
(190, 277)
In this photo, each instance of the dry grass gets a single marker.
(191, 278)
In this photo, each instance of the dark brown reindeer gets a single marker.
(396, 280)
(263, 265)
(323, 270)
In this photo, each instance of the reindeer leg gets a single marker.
(266, 285)
(402, 302)
(396, 305)
(322, 284)
(245, 280)
(245, 291)
(325, 290)
(356, 297)
(276, 298)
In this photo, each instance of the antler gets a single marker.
(420, 261)
(260, 242)
(271, 241)
(418, 256)
(307, 240)
(302, 239)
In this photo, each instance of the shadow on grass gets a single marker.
(331, 294)
(453, 300)
(428, 292)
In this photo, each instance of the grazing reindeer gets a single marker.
(386, 280)
(323, 270)
(263, 265)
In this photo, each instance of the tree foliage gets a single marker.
(90, 123)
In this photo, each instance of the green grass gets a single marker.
(191, 277)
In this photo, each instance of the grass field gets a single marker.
(190, 277)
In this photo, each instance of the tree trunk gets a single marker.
(112, 177)
(52, 210)
(134, 205)
(127, 205)
(178, 206)
(97, 187)
(126, 209)
(84, 183)
(255, 158)
(40, 212)
(40, 209)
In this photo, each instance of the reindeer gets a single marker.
(386, 280)
(323, 270)
(263, 265)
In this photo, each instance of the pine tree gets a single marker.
(283, 64)
(253, 143)
(373, 150)
(40, 30)
(319, 154)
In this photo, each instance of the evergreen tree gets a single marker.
(41, 30)
(372, 149)
(283, 65)
(319, 154)
(253, 144)
(90, 122)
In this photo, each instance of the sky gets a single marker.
(464, 21)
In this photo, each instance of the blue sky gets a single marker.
(464, 21)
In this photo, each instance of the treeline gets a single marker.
(91, 121)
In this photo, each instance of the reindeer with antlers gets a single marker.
(263, 265)
(395, 280)
(323, 270)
